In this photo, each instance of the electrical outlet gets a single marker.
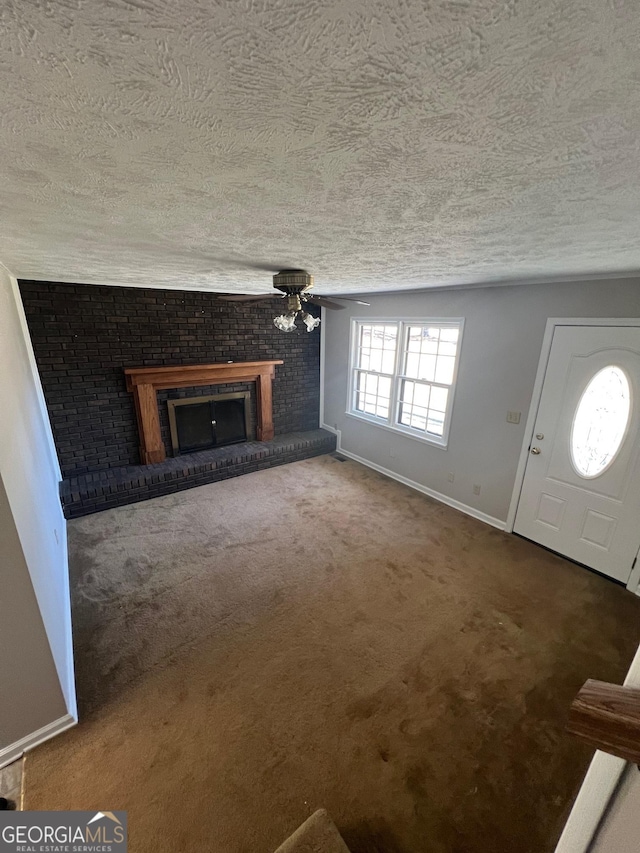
(451, 476)
(513, 417)
(476, 489)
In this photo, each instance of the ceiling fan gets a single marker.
(294, 285)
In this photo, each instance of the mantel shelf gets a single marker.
(144, 382)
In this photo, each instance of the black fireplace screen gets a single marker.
(201, 422)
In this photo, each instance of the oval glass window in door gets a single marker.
(600, 422)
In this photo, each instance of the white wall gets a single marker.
(620, 829)
(34, 531)
(504, 328)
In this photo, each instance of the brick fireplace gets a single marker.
(86, 336)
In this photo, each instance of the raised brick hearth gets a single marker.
(129, 484)
(84, 336)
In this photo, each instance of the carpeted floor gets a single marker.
(317, 635)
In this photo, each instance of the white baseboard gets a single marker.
(15, 750)
(438, 496)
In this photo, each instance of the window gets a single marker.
(600, 422)
(403, 375)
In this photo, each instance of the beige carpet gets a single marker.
(319, 636)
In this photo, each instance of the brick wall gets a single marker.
(84, 335)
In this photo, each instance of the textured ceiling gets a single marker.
(380, 143)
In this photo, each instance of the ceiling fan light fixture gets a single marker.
(285, 322)
(310, 322)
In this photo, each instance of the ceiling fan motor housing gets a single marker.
(293, 282)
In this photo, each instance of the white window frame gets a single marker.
(391, 423)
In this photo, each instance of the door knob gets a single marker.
(536, 451)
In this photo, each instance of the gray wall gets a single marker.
(35, 623)
(30, 694)
(504, 328)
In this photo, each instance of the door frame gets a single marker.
(552, 322)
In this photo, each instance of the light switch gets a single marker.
(513, 417)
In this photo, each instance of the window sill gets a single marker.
(423, 439)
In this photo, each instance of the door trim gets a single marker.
(545, 352)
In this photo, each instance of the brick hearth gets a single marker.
(132, 483)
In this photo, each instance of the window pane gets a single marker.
(435, 424)
(377, 347)
(371, 384)
(384, 387)
(418, 419)
(421, 395)
(415, 339)
(444, 369)
(449, 334)
(388, 360)
(600, 422)
(412, 367)
(390, 337)
(439, 399)
(406, 394)
(375, 362)
(446, 348)
(427, 368)
(373, 394)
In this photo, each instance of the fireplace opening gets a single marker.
(197, 423)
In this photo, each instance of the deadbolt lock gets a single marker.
(539, 436)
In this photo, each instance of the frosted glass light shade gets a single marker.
(310, 322)
(285, 322)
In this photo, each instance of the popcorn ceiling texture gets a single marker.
(395, 144)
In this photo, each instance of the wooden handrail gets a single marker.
(607, 716)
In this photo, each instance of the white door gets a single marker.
(581, 490)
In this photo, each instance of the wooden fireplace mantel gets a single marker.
(144, 382)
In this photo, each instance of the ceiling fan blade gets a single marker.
(350, 299)
(325, 303)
